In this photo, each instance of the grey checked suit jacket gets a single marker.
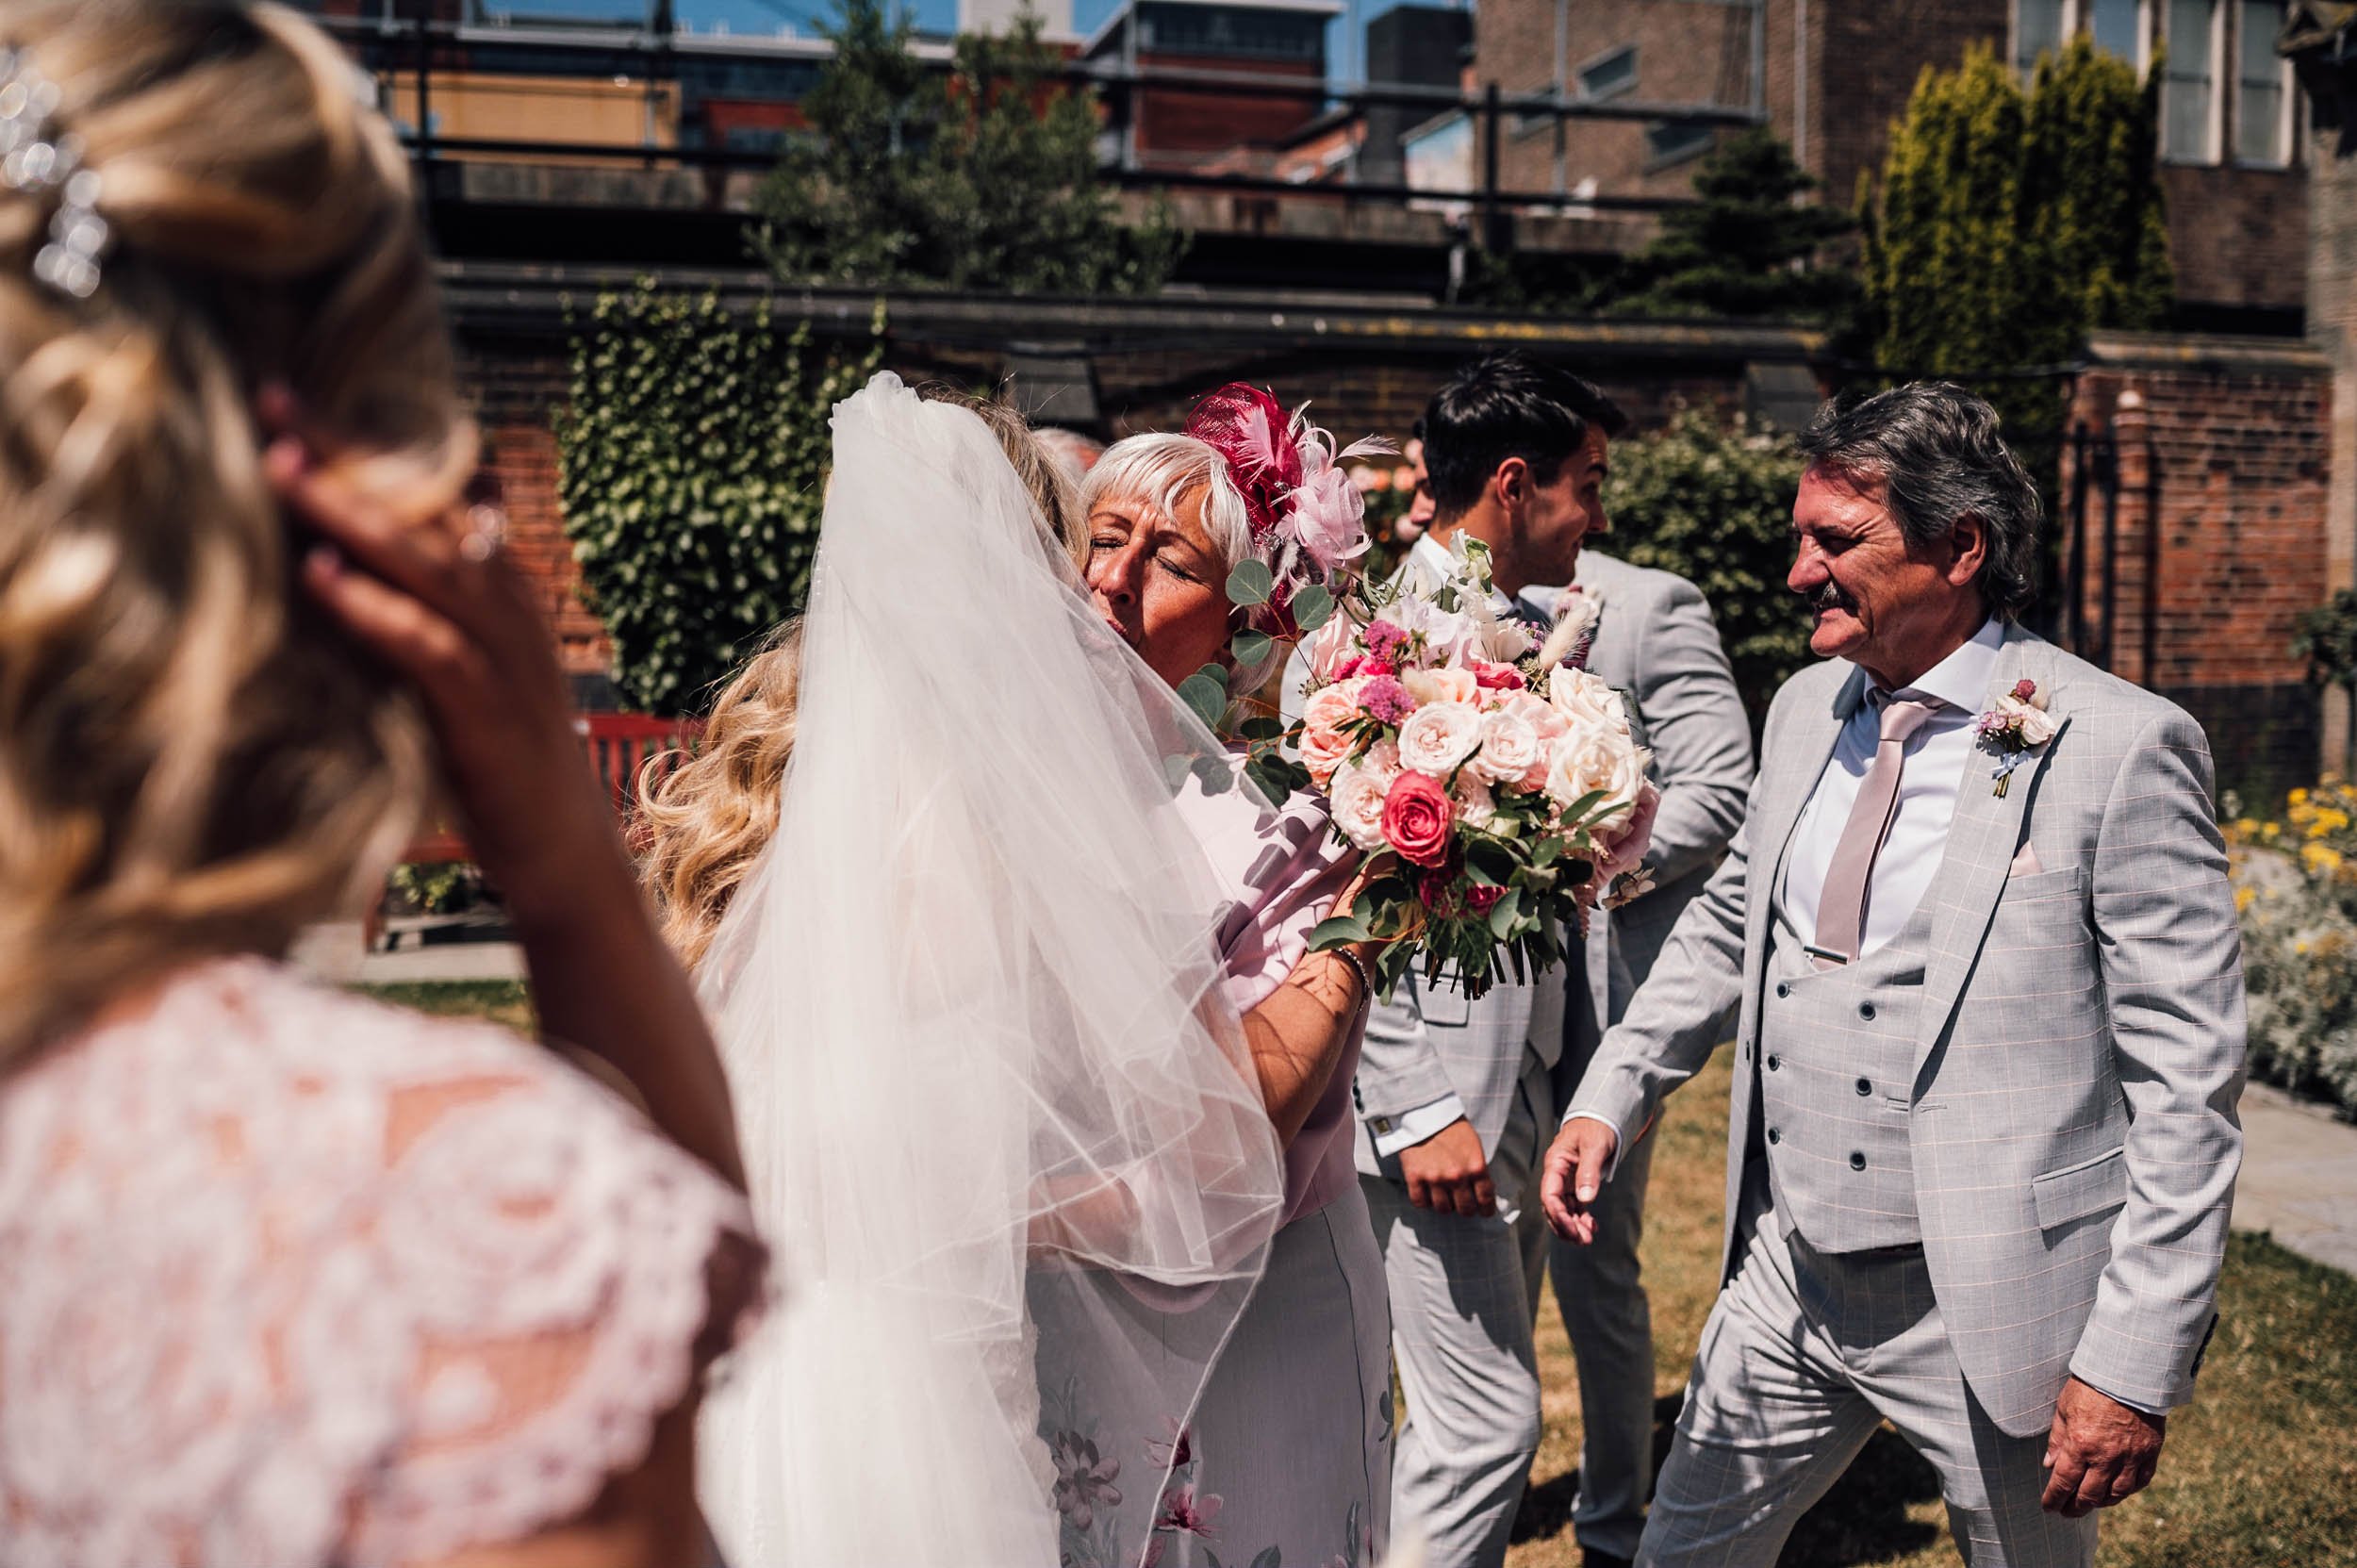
(1656, 642)
(2081, 1053)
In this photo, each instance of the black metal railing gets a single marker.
(674, 74)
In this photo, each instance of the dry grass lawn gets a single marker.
(2260, 1472)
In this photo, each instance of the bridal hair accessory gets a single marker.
(2018, 725)
(1308, 520)
(36, 162)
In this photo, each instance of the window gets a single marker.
(2118, 27)
(2038, 29)
(1609, 75)
(1674, 141)
(2262, 123)
(2189, 94)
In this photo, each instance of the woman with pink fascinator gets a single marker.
(1289, 1453)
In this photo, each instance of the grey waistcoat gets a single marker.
(1838, 1054)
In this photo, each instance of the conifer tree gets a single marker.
(1747, 248)
(985, 178)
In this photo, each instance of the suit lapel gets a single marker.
(1981, 842)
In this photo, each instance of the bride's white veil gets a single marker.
(1002, 1130)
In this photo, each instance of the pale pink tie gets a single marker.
(1841, 907)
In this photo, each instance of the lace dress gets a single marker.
(289, 1278)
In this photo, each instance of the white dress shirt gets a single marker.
(1938, 755)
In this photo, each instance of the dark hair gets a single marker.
(1935, 450)
(1504, 406)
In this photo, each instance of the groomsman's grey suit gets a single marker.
(1996, 1150)
(1464, 1289)
(1655, 641)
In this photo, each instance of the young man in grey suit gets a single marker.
(1978, 939)
(1455, 1096)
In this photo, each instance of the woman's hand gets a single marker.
(418, 578)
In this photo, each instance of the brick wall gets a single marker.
(516, 385)
(2224, 465)
(2237, 237)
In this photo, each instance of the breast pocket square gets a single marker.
(2025, 863)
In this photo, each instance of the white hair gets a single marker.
(1160, 471)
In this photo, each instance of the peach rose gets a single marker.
(1356, 795)
(1445, 684)
(1324, 745)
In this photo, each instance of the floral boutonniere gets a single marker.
(2018, 725)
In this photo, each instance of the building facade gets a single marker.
(1831, 77)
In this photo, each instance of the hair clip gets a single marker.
(35, 162)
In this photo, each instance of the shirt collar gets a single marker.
(1962, 679)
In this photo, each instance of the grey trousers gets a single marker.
(1609, 1322)
(1804, 1357)
(1462, 1294)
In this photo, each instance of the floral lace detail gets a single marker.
(292, 1277)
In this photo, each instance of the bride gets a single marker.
(1013, 1144)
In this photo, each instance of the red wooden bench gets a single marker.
(617, 745)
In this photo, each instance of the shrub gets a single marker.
(2296, 887)
(692, 463)
(1712, 502)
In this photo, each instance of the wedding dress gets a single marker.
(1002, 1129)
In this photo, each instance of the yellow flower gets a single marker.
(2300, 797)
(2319, 857)
(2243, 897)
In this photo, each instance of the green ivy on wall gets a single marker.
(691, 464)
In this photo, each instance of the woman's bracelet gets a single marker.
(1358, 967)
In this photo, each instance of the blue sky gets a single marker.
(935, 16)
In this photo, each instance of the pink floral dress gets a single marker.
(294, 1279)
(1287, 1463)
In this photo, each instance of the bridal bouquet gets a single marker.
(1497, 772)
(1501, 775)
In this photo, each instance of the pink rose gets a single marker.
(1497, 677)
(1510, 749)
(1625, 839)
(1329, 648)
(1324, 745)
(1483, 900)
(2025, 691)
(1416, 816)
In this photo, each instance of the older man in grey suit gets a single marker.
(1977, 936)
(1456, 1096)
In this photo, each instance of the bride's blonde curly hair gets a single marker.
(703, 823)
(195, 761)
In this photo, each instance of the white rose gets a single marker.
(2037, 725)
(1357, 799)
(1438, 737)
(1585, 699)
(1510, 747)
(1593, 758)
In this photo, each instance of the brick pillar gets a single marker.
(2333, 327)
(2138, 538)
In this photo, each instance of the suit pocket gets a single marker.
(1444, 1007)
(2066, 886)
(2077, 1191)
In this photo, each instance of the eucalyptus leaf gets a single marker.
(1251, 647)
(1339, 931)
(1502, 918)
(1250, 583)
(1206, 697)
(1312, 609)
